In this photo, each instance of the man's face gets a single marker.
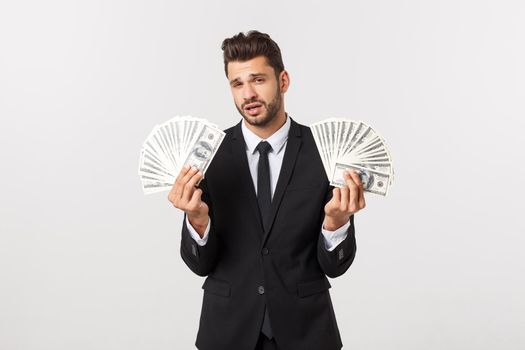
(256, 91)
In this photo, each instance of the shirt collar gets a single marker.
(277, 140)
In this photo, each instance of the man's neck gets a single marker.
(268, 130)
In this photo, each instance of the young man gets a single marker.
(265, 226)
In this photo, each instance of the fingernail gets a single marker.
(186, 166)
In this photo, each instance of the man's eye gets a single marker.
(259, 80)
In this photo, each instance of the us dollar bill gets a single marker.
(153, 186)
(204, 148)
(373, 181)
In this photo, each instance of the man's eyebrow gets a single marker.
(253, 75)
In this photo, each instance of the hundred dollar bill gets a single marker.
(365, 138)
(380, 167)
(373, 181)
(355, 136)
(151, 170)
(204, 148)
(154, 186)
(373, 145)
(319, 142)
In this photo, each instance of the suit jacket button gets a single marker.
(260, 290)
(266, 251)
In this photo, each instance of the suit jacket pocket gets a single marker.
(308, 288)
(217, 287)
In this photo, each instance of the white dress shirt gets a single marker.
(278, 142)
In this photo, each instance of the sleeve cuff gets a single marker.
(333, 238)
(200, 241)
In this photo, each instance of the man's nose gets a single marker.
(248, 92)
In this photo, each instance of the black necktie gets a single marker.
(264, 191)
(264, 197)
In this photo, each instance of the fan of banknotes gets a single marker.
(352, 145)
(171, 145)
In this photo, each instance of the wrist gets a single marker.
(199, 223)
(333, 223)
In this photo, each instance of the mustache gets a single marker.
(252, 101)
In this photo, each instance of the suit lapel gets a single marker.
(243, 171)
(290, 156)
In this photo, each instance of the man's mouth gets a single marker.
(253, 108)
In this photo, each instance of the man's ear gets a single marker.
(284, 81)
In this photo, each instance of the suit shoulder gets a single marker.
(229, 132)
(304, 131)
(225, 145)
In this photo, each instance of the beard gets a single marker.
(272, 109)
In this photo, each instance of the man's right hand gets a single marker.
(185, 196)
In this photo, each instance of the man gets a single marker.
(264, 225)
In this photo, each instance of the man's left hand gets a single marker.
(345, 202)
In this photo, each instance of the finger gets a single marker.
(195, 202)
(362, 202)
(336, 198)
(194, 181)
(349, 180)
(176, 190)
(356, 178)
(354, 192)
(189, 174)
(361, 197)
(345, 195)
(182, 173)
(184, 181)
(189, 187)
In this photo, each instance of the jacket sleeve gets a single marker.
(200, 259)
(334, 263)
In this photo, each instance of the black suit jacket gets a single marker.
(284, 267)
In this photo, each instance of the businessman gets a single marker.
(264, 226)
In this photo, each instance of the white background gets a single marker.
(88, 262)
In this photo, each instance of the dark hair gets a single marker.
(243, 47)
